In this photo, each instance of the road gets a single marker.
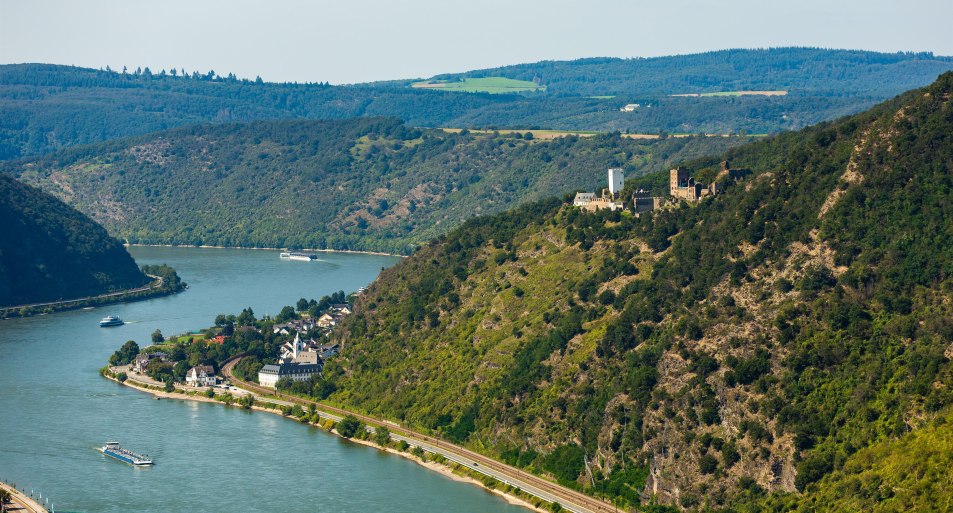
(21, 502)
(157, 283)
(567, 498)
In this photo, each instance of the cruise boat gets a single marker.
(305, 257)
(111, 320)
(114, 450)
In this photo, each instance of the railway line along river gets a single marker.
(56, 409)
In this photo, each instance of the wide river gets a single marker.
(55, 409)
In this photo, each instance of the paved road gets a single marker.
(157, 283)
(21, 502)
(569, 499)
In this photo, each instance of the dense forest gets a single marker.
(362, 184)
(50, 251)
(47, 107)
(783, 346)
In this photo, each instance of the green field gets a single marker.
(494, 85)
(733, 93)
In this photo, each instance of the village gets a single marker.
(303, 348)
(682, 187)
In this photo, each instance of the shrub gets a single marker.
(348, 426)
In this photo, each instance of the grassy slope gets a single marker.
(365, 184)
(492, 85)
(732, 353)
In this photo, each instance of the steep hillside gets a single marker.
(45, 107)
(363, 184)
(742, 352)
(50, 251)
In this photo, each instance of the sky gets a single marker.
(347, 41)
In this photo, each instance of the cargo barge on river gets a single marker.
(114, 450)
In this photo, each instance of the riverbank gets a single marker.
(315, 250)
(157, 288)
(268, 405)
(20, 502)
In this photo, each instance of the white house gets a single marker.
(341, 307)
(142, 360)
(201, 376)
(326, 320)
(583, 199)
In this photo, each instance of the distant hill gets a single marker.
(809, 71)
(47, 107)
(50, 251)
(782, 346)
(361, 184)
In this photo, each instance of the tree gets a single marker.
(125, 355)
(247, 317)
(283, 383)
(382, 436)
(169, 387)
(349, 426)
(287, 313)
(302, 305)
(157, 337)
(247, 401)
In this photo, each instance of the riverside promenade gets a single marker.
(20, 502)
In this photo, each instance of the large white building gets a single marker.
(616, 180)
(269, 375)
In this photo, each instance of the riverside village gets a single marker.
(299, 336)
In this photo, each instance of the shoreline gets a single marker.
(441, 468)
(154, 290)
(21, 501)
(204, 246)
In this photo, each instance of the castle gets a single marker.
(589, 201)
(682, 186)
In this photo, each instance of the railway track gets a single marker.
(567, 498)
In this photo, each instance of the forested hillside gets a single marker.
(784, 346)
(807, 70)
(364, 184)
(45, 107)
(50, 251)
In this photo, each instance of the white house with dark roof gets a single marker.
(201, 376)
(142, 360)
(269, 375)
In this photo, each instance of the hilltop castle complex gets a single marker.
(682, 186)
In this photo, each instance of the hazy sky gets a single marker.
(355, 41)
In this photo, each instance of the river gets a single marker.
(55, 409)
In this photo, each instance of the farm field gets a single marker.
(733, 93)
(537, 134)
(493, 85)
(555, 134)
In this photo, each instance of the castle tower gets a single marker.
(616, 180)
(677, 177)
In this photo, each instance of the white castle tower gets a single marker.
(616, 180)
